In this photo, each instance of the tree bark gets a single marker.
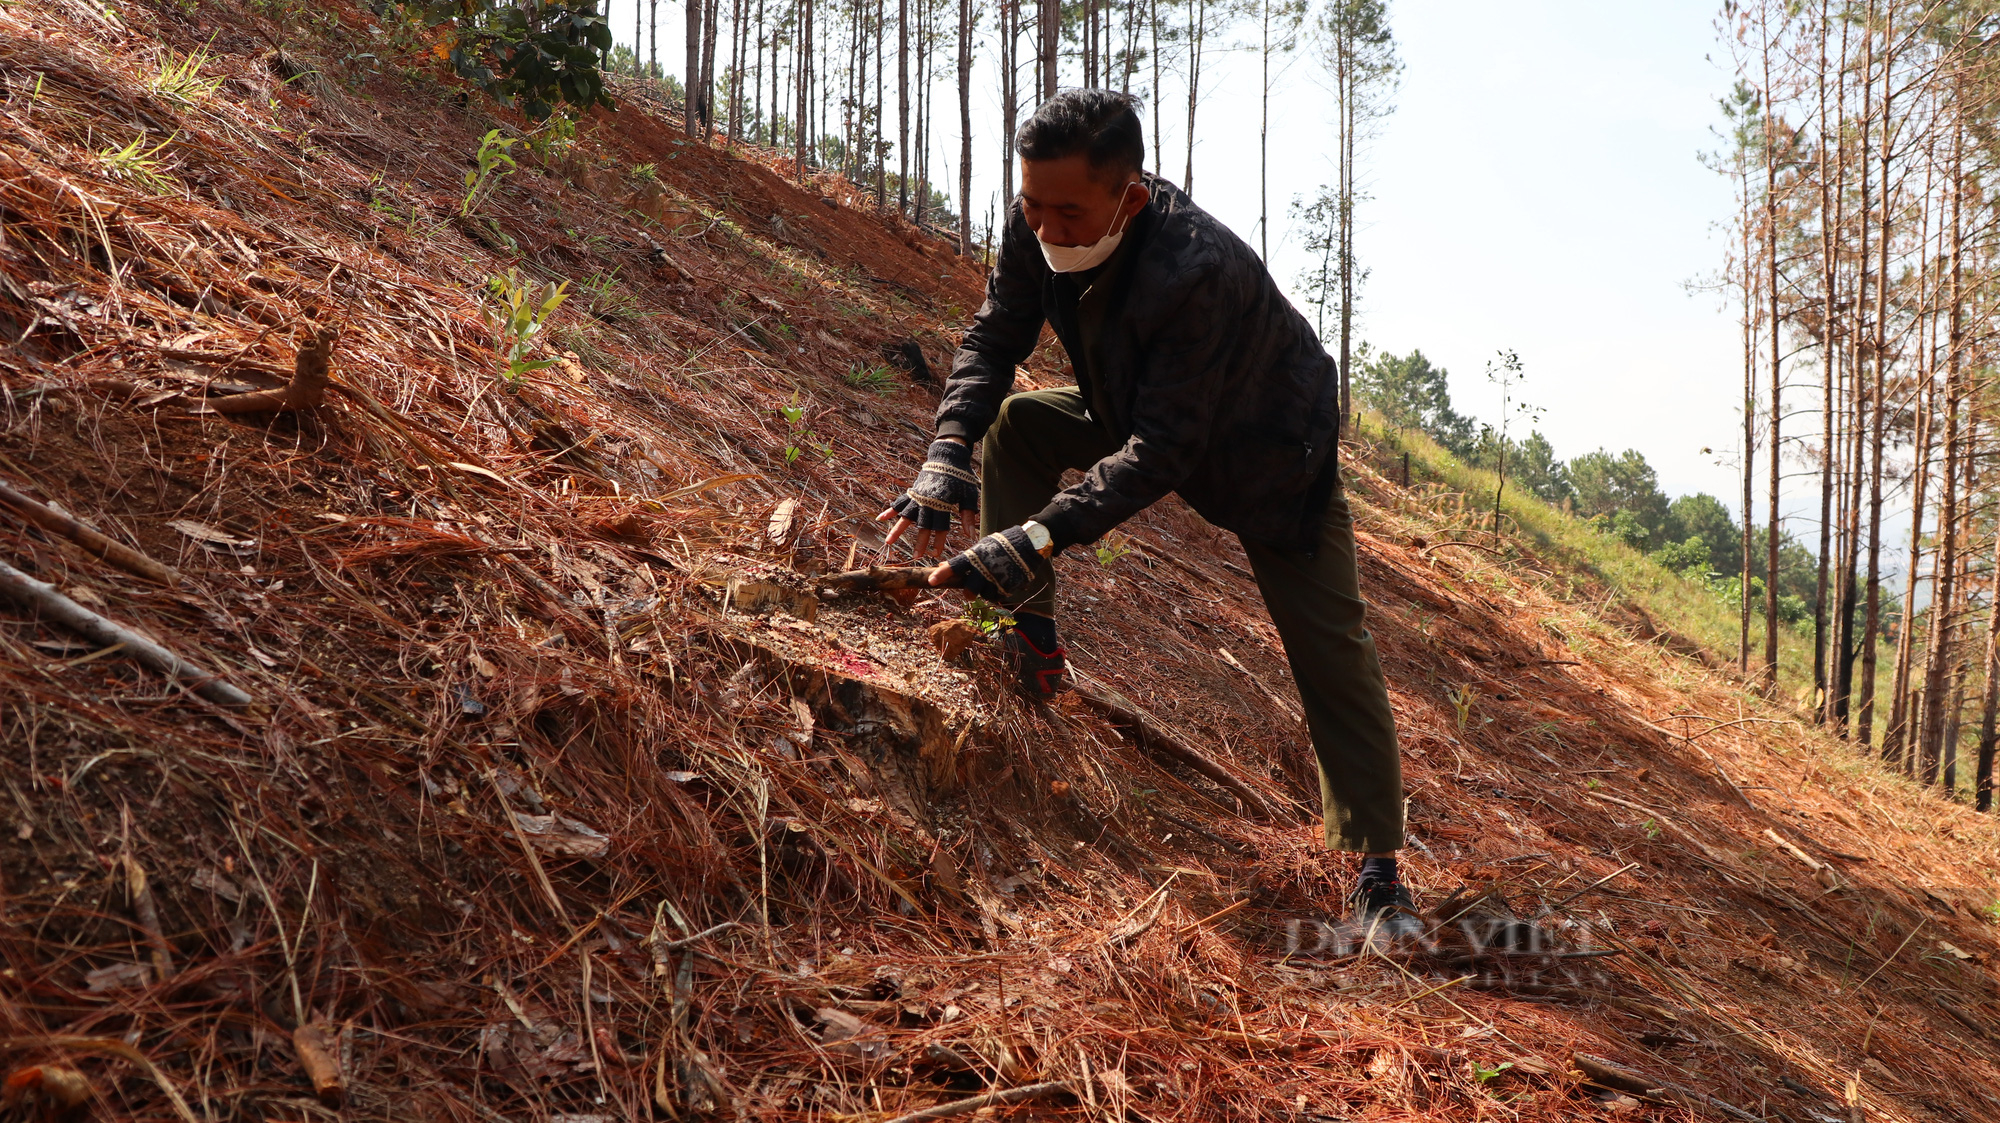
(1750, 305)
(1879, 422)
(1894, 734)
(964, 128)
(1944, 602)
(1197, 33)
(1989, 734)
(1049, 15)
(1829, 206)
(691, 107)
(1775, 443)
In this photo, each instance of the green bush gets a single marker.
(536, 54)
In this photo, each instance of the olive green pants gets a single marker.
(1314, 599)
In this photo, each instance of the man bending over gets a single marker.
(1194, 374)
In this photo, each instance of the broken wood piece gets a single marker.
(1610, 1074)
(311, 373)
(111, 550)
(779, 529)
(147, 910)
(1155, 737)
(51, 605)
(1021, 1094)
(756, 591)
(881, 578)
(315, 1046)
(1812, 863)
(1826, 875)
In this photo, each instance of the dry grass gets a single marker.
(514, 766)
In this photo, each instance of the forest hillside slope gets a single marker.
(566, 789)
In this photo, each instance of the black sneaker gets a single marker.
(1042, 674)
(1384, 908)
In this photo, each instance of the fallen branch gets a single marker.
(991, 1099)
(1616, 1076)
(316, 1055)
(1441, 545)
(111, 550)
(1156, 737)
(43, 598)
(881, 578)
(307, 389)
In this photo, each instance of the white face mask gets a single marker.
(1075, 259)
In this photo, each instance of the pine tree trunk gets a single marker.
(880, 152)
(1049, 14)
(691, 77)
(964, 128)
(1775, 442)
(1900, 708)
(1879, 423)
(1010, 95)
(802, 63)
(1829, 204)
(1196, 32)
(1945, 599)
(1989, 733)
(708, 68)
(1264, 142)
(1154, 24)
(903, 107)
(1750, 305)
(924, 99)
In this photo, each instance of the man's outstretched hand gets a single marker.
(944, 486)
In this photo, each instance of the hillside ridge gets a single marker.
(569, 791)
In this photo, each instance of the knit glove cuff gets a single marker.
(945, 486)
(999, 567)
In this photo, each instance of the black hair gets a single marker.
(1100, 125)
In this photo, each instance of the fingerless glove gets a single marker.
(999, 566)
(945, 486)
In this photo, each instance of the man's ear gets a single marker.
(1134, 202)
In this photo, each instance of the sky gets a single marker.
(1539, 187)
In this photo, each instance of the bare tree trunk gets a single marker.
(1010, 94)
(1776, 443)
(925, 45)
(880, 153)
(1952, 724)
(903, 107)
(1829, 207)
(1129, 65)
(1264, 141)
(1989, 735)
(964, 128)
(1900, 705)
(1154, 24)
(1848, 648)
(1877, 429)
(691, 77)
(802, 56)
(1049, 14)
(1750, 304)
(708, 68)
(1197, 30)
(1945, 599)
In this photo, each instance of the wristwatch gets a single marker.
(1039, 537)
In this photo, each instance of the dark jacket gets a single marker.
(1218, 387)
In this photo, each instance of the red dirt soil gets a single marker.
(525, 824)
